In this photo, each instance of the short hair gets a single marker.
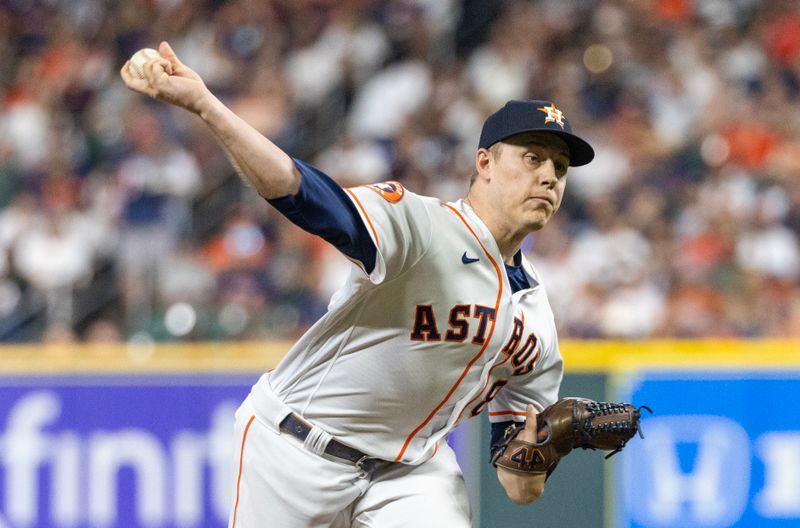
(495, 151)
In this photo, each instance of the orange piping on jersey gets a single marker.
(488, 379)
(503, 413)
(478, 355)
(364, 212)
(239, 477)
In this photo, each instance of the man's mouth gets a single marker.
(544, 199)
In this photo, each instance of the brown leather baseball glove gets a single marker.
(565, 425)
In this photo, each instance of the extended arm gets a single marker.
(258, 160)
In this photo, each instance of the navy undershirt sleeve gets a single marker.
(323, 208)
(498, 430)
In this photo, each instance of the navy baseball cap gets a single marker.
(519, 116)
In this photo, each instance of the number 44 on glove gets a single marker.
(565, 425)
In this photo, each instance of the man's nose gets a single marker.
(547, 175)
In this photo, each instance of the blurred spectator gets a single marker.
(349, 50)
(102, 331)
(389, 98)
(241, 244)
(59, 334)
(157, 180)
(120, 220)
(634, 310)
(769, 248)
(352, 162)
(501, 69)
(54, 255)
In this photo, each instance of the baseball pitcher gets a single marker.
(441, 319)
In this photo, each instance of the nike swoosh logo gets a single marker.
(466, 260)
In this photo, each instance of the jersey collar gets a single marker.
(490, 243)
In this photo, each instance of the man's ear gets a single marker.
(483, 159)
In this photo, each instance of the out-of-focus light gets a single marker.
(715, 150)
(597, 58)
(180, 319)
(234, 318)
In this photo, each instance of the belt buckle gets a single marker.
(364, 472)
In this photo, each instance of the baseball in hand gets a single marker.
(139, 59)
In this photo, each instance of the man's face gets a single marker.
(528, 176)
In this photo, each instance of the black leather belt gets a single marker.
(296, 426)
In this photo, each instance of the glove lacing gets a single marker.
(588, 429)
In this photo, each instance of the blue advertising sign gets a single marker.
(102, 451)
(721, 450)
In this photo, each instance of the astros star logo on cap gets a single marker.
(554, 115)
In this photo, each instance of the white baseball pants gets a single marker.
(280, 484)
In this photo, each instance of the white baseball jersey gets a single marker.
(431, 337)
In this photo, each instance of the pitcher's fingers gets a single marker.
(532, 425)
(168, 53)
(531, 413)
(156, 70)
(134, 83)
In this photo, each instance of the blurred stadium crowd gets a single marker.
(121, 219)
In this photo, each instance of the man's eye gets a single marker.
(561, 168)
(532, 158)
